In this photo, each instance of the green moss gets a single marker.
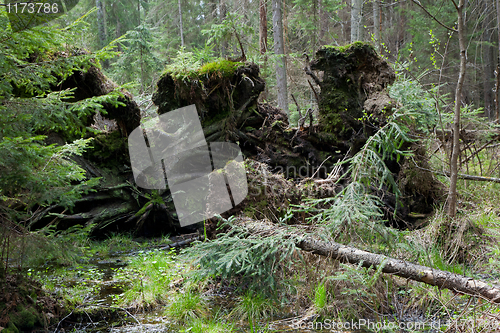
(342, 95)
(11, 328)
(278, 123)
(25, 319)
(222, 67)
(109, 147)
(349, 47)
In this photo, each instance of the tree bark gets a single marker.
(101, 23)
(263, 40)
(180, 23)
(402, 268)
(356, 6)
(223, 13)
(279, 50)
(323, 23)
(452, 194)
(497, 86)
(138, 13)
(376, 23)
(263, 26)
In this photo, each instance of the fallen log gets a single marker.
(462, 176)
(477, 178)
(402, 268)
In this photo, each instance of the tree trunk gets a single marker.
(376, 23)
(104, 18)
(497, 104)
(452, 194)
(323, 23)
(263, 40)
(356, 20)
(263, 26)
(279, 50)
(488, 61)
(138, 13)
(180, 23)
(101, 23)
(402, 268)
(223, 12)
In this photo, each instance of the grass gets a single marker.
(187, 305)
(253, 306)
(149, 276)
(115, 243)
(320, 297)
(217, 325)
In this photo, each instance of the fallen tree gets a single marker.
(402, 268)
(462, 175)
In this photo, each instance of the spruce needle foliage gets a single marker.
(251, 259)
(33, 62)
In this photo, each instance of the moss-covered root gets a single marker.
(352, 74)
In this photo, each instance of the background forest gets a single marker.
(411, 190)
(400, 30)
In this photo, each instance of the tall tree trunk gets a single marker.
(138, 12)
(497, 87)
(263, 40)
(376, 23)
(279, 50)
(212, 19)
(104, 17)
(452, 194)
(262, 26)
(315, 22)
(488, 60)
(180, 23)
(356, 20)
(323, 23)
(101, 23)
(223, 13)
(142, 69)
(118, 30)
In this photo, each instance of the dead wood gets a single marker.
(471, 177)
(463, 176)
(401, 268)
(480, 149)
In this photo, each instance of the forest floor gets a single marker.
(126, 284)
